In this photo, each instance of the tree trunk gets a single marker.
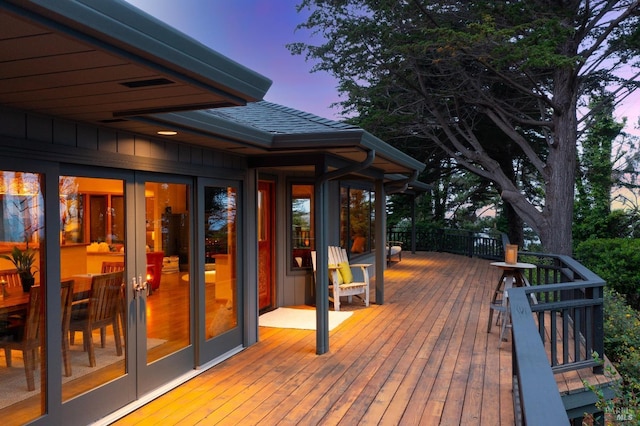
(514, 225)
(555, 235)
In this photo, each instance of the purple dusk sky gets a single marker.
(254, 33)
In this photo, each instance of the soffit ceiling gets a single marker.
(47, 71)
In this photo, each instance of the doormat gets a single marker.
(302, 319)
(13, 383)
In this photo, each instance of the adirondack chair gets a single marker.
(341, 277)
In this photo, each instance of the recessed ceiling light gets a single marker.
(167, 132)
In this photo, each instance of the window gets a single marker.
(220, 274)
(22, 211)
(302, 222)
(357, 219)
(93, 215)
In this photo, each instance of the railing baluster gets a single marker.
(553, 339)
(577, 327)
(565, 337)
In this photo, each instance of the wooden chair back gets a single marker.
(66, 301)
(33, 321)
(30, 341)
(112, 267)
(105, 297)
(102, 310)
(11, 277)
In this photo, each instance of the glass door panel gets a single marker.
(167, 247)
(22, 295)
(220, 275)
(93, 345)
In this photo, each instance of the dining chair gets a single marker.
(26, 337)
(12, 280)
(66, 301)
(112, 267)
(115, 267)
(11, 277)
(101, 312)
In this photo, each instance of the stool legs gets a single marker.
(500, 302)
(496, 301)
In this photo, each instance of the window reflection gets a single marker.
(89, 247)
(221, 214)
(91, 211)
(356, 219)
(303, 233)
(168, 238)
(21, 296)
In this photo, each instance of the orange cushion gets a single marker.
(345, 272)
(358, 245)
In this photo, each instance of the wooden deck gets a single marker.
(424, 357)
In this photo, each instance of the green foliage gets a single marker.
(494, 86)
(617, 224)
(622, 337)
(624, 408)
(615, 261)
(622, 346)
(23, 261)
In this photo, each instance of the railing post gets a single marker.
(598, 328)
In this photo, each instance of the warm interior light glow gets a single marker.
(511, 254)
(167, 132)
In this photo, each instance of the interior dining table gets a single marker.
(16, 300)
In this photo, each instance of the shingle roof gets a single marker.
(278, 119)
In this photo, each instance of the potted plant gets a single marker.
(23, 261)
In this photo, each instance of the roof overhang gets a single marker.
(104, 61)
(108, 63)
(301, 151)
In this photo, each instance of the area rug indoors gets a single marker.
(302, 319)
(13, 384)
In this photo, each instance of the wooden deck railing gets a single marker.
(571, 299)
(557, 322)
(535, 392)
(566, 313)
(457, 241)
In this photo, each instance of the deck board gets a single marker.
(424, 357)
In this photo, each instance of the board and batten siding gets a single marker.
(35, 136)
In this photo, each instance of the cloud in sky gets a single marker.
(254, 33)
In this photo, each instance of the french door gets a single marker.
(163, 285)
(140, 224)
(161, 250)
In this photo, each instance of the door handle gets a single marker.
(139, 285)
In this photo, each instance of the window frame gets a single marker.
(291, 236)
(346, 229)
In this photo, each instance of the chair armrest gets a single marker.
(360, 265)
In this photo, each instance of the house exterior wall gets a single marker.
(79, 143)
(48, 144)
(294, 286)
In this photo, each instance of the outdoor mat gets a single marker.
(303, 319)
(13, 383)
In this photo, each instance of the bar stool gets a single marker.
(512, 276)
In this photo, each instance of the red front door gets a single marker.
(265, 245)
